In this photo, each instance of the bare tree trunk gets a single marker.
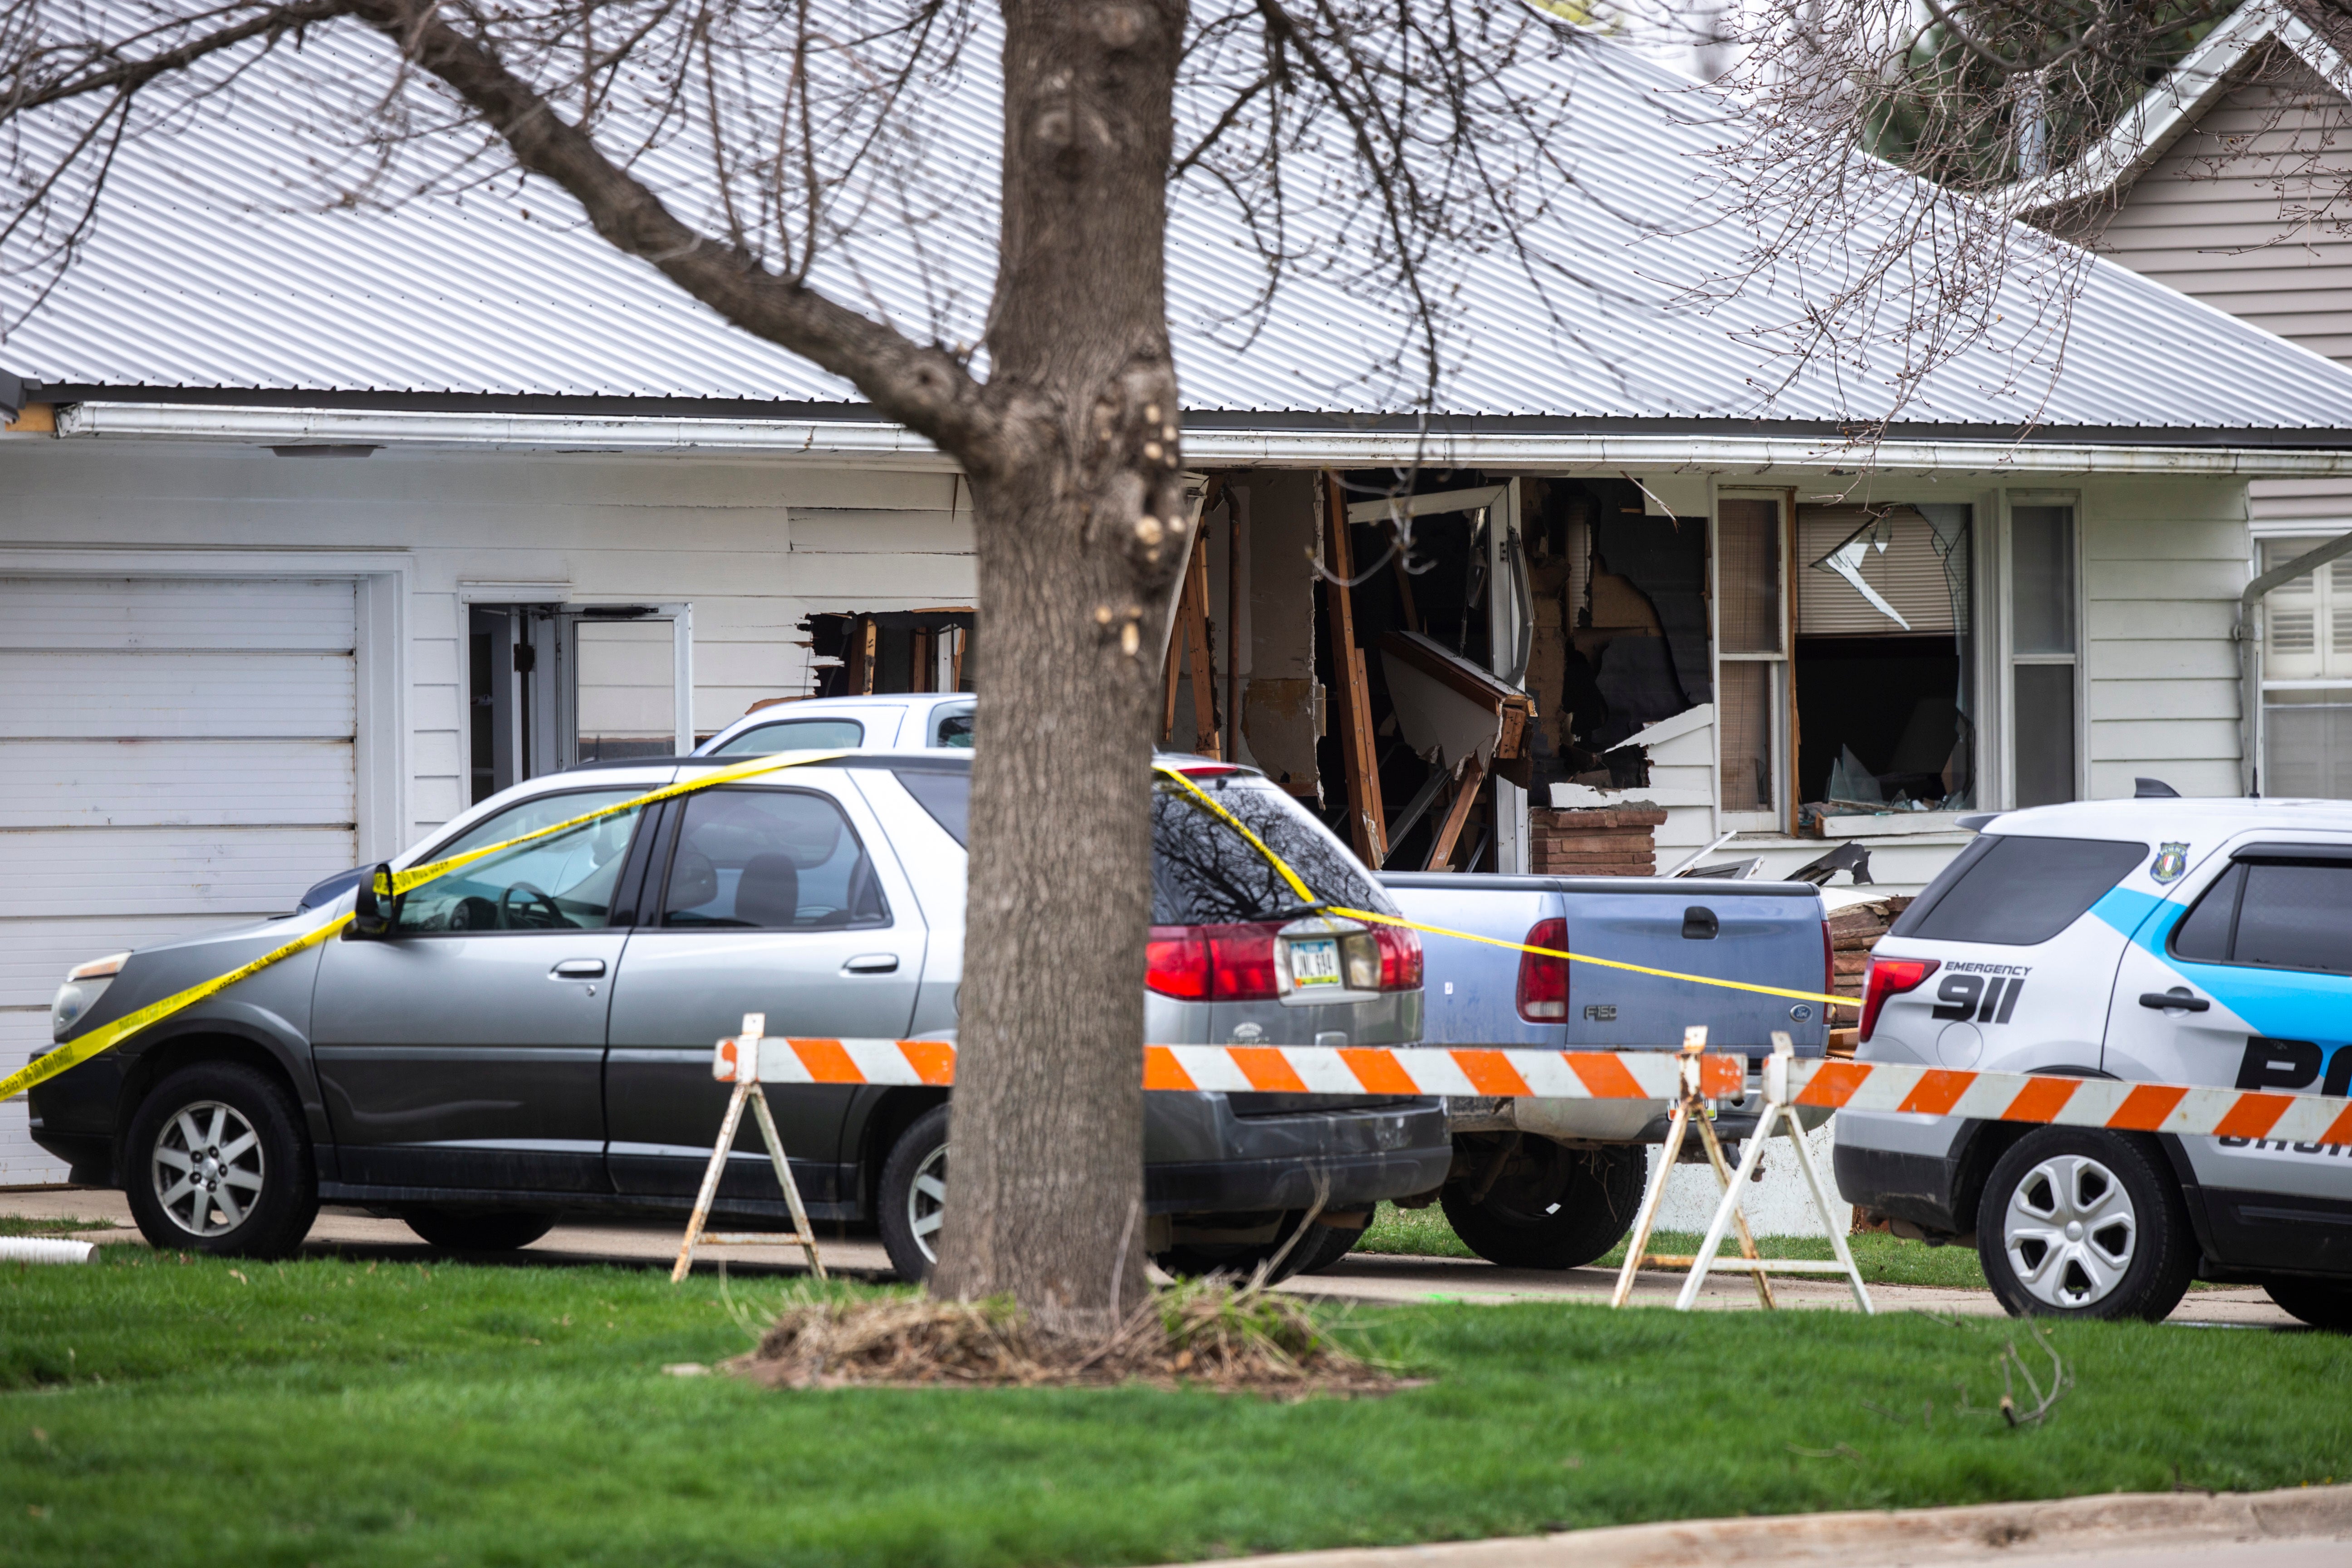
(1081, 522)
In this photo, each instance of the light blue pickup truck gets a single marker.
(1554, 1184)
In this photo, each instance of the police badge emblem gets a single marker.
(2171, 861)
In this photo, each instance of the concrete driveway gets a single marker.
(1374, 1280)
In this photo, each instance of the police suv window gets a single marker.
(2273, 914)
(2017, 890)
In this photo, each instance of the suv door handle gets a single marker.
(872, 963)
(2178, 996)
(577, 969)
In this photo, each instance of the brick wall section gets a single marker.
(1598, 841)
(1854, 931)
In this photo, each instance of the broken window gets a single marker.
(1883, 659)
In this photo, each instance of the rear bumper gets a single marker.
(1920, 1188)
(1340, 1182)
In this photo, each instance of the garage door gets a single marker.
(175, 753)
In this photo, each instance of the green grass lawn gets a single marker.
(160, 1411)
(1884, 1259)
(19, 1224)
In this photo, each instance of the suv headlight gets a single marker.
(82, 991)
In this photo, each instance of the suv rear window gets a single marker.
(1203, 872)
(2016, 890)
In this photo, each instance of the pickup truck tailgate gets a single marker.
(1767, 934)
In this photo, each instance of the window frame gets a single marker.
(2009, 660)
(1779, 688)
(2240, 871)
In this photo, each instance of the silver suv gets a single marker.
(533, 1032)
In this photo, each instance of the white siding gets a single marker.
(2245, 213)
(2163, 563)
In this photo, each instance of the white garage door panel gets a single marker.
(176, 754)
(189, 613)
(36, 954)
(111, 695)
(148, 784)
(174, 871)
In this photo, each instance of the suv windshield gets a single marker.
(2017, 889)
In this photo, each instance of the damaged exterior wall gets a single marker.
(1280, 706)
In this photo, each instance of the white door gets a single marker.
(174, 754)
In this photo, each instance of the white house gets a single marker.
(323, 522)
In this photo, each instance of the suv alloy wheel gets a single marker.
(2076, 1223)
(216, 1161)
(914, 1185)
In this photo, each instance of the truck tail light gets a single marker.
(1891, 977)
(1543, 981)
(1400, 958)
(1829, 965)
(1211, 963)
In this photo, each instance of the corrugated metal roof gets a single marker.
(208, 270)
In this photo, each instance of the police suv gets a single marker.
(2163, 940)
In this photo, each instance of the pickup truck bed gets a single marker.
(1552, 1183)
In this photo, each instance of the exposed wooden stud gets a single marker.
(1449, 831)
(1197, 649)
(1367, 821)
(872, 635)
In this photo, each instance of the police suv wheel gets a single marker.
(914, 1191)
(2076, 1223)
(216, 1161)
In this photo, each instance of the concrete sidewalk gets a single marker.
(2300, 1527)
(1370, 1278)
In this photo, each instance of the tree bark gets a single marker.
(1080, 530)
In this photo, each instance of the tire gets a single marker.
(1330, 1247)
(216, 1161)
(478, 1230)
(914, 1180)
(2322, 1303)
(1240, 1260)
(2076, 1223)
(1550, 1206)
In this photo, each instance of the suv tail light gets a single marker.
(1891, 977)
(1211, 963)
(1400, 958)
(1543, 981)
(1235, 962)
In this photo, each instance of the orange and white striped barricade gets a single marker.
(737, 1061)
(1777, 1106)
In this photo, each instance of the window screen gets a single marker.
(796, 735)
(2296, 917)
(767, 859)
(2018, 890)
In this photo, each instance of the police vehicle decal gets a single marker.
(2294, 1020)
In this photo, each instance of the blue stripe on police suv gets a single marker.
(2272, 1002)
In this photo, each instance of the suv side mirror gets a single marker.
(370, 914)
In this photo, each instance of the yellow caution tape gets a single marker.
(1306, 896)
(107, 1036)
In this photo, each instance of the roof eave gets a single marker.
(1242, 440)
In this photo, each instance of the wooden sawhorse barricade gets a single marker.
(740, 1067)
(1691, 1106)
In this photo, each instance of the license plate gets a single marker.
(1315, 962)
